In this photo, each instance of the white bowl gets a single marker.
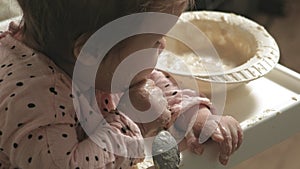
(246, 51)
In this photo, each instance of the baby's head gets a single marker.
(52, 26)
(58, 28)
(63, 21)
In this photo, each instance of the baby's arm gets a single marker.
(57, 146)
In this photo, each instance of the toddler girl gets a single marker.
(39, 125)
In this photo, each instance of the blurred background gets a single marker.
(281, 19)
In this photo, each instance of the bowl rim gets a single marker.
(264, 60)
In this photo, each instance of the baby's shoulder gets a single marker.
(19, 63)
(26, 72)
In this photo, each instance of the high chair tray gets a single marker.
(269, 112)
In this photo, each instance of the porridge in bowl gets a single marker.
(231, 50)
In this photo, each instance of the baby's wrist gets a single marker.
(202, 115)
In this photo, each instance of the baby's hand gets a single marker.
(13, 29)
(229, 135)
(145, 104)
(224, 130)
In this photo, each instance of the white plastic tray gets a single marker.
(269, 111)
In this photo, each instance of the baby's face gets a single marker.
(129, 47)
(139, 53)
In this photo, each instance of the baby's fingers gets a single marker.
(237, 135)
(211, 130)
(217, 136)
(13, 27)
(225, 146)
(234, 138)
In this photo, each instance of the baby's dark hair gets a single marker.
(53, 26)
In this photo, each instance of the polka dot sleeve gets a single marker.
(57, 147)
(43, 133)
